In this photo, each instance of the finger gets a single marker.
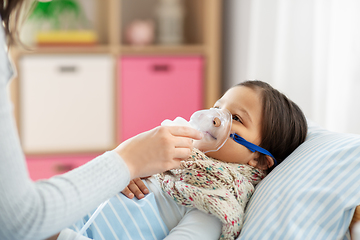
(182, 153)
(175, 164)
(141, 185)
(183, 131)
(136, 190)
(127, 193)
(183, 142)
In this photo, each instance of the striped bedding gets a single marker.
(124, 218)
(312, 194)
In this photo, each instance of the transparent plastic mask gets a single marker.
(215, 124)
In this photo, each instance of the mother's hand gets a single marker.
(157, 150)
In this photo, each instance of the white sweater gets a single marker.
(37, 210)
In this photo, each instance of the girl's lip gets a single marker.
(211, 135)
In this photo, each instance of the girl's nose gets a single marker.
(216, 122)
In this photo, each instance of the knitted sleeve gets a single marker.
(36, 210)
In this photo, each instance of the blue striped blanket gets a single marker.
(124, 218)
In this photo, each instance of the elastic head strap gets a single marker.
(252, 147)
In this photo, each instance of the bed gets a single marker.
(313, 194)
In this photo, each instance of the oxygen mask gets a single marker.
(213, 123)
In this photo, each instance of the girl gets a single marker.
(267, 126)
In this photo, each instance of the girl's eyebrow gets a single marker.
(247, 115)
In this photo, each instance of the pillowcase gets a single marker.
(312, 194)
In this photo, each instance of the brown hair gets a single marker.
(12, 14)
(284, 125)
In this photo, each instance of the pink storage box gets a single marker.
(43, 167)
(157, 88)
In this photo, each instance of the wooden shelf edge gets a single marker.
(162, 49)
(66, 49)
(121, 50)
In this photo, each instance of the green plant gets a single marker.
(55, 10)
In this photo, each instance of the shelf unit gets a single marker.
(202, 31)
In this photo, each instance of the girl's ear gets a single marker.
(253, 162)
(269, 162)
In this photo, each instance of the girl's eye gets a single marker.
(236, 118)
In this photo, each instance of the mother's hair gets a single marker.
(13, 13)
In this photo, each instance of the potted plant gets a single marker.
(61, 22)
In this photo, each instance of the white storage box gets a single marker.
(66, 103)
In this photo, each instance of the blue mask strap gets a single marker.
(252, 147)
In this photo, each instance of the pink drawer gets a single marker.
(45, 167)
(157, 88)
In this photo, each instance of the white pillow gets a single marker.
(312, 194)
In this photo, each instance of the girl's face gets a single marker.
(246, 108)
